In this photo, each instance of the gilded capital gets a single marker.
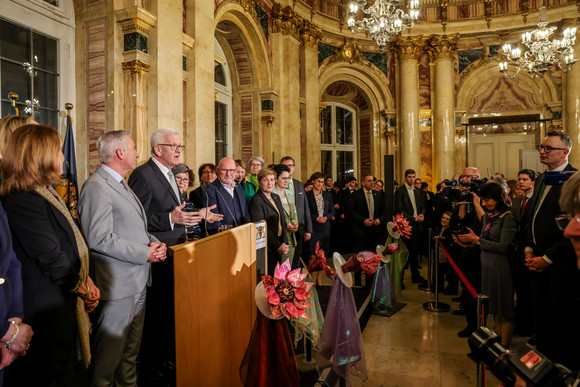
(136, 67)
(310, 34)
(248, 6)
(135, 19)
(286, 21)
(443, 46)
(409, 47)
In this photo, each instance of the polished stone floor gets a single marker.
(415, 347)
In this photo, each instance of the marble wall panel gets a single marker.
(246, 123)
(365, 146)
(503, 94)
(392, 76)
(426, 173)
(96, 87)
(424, 81)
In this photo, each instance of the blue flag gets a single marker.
(68, 188)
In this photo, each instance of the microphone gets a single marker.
(206, 206)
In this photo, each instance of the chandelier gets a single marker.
(541, 53)
(385, 18)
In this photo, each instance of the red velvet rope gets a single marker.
(459, 273)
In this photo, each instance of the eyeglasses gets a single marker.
(547, 148)
(563, 220)
(174, 147)
(232, 171)
(255, 165)
(208, 172)
(183, 179)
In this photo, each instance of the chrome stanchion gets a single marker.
(436, 306)
(482, 308)
(428, 288)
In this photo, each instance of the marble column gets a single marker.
(443, 48)
(286, 81)
(136, 24)
(409, 136)
(200, 94)
(310, 134)
(572, 101)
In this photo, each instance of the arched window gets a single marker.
(338, 141)
(223, 105)
(37, 57)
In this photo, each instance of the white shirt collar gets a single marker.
(162, 167)
(560, 168)
(409, 187)
(116, 175)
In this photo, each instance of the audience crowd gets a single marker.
(60, 276)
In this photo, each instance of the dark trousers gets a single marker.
(413, 262)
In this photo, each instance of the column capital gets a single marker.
(310, 35)
(135, 19)
(409, 47)
(443, 46)
(286, 21)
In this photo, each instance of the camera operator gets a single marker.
(468, 215)
(551, 260)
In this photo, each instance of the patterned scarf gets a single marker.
(490, 217)
(82, 317)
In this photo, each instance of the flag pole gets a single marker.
(13, 97)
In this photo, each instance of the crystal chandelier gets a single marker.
(385, 18)
(541, 53)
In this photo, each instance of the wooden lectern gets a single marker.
(215, 308)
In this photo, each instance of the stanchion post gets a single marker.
(428, 288)
(436, 306)
(482, 308)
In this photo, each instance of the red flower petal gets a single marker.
(291, 308)
(301, 294)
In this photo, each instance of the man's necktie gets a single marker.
(524, 202)
(173, 184)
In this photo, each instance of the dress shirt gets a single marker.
(164, 170)
(228, 188)
(370, 202)
(411, 192)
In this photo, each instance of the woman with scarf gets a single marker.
(497, 237)
(57, 290)
(288, 202)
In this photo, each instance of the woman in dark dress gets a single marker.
(266, 205)
(321, 213)
(57, 291)
(498, 234)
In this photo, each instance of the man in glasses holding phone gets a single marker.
(555, 280)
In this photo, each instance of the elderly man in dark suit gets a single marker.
(551, 259)
(228, 197)
(156, 188)
(410, 201)
(115, 225)
(303, 212)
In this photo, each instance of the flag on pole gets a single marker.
(68, 188)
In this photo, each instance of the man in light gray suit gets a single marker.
(304, 231)
(115, 225)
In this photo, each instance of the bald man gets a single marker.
(228, 196)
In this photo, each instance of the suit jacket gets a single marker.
(216, 194)
(199, 197)
(403, 203)
(320, 228)
(262, 209)
(302, 210)
(158, 198)
(11, 289)
(358, 211)
(549, 240)
(115, 225)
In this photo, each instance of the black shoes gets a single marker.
(419, 279)
(466, 332)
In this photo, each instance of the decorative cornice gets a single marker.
(313, 9)
(136, 67)
(409, 47)
(248, 6)
(342, 14)
(135, 19)
(188, 42)
(310, 35)
(286, 21)
(443, 46)
(350, 53)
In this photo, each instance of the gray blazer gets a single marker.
(302, 210)
(115, 225)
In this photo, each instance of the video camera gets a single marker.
(465, 195)
(529, 364)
